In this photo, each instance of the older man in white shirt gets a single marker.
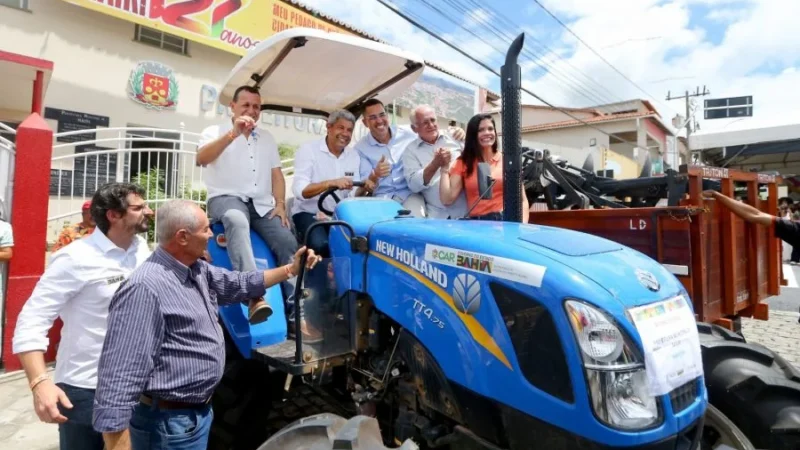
(246, 188)
(77, 286)
(320, 165)
(422, 160)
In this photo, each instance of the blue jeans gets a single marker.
(180, 429)
(77, 431)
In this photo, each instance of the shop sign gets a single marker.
(153, 85)
(230, 25)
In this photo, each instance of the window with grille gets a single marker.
(160, 39)
(20, 4)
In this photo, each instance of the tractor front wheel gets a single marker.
(753, 387)
(329, 431)
(720, 433)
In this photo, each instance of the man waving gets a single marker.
(246, 189)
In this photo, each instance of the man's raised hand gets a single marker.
(243, 124)
(383, 169)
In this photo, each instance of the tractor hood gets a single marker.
(308, 71)
(630, 276)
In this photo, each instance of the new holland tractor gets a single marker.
(463, 334)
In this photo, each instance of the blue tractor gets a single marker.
(454, 334)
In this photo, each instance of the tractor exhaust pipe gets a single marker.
(510, 85)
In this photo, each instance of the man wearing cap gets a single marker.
(74, 232)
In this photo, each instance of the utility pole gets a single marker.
(688, 122)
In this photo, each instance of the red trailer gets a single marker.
(728, 266)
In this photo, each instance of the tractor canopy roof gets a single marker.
(308, 71)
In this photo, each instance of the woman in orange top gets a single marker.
(480, 145)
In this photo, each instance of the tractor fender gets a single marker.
(754, 387)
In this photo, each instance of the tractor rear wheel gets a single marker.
(754, 387)
(329, 431)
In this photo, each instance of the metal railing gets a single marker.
(7, 161)
(161, 161)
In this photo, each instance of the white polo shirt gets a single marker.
(77, 286)
(314, 163)
(244, 169)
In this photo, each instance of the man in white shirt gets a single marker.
(424, 157)
(246, 188)
(319, 165)
(77, 286)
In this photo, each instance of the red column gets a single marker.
(29, 221)
(38, 93)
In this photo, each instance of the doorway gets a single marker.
(151, 164)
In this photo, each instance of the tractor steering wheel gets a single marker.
(332, 191)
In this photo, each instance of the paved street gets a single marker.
(789, 300)
(20, 428)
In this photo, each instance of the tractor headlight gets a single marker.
(615, 372)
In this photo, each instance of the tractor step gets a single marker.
(282, 357)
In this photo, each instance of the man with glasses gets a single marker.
(381, 153)
(77, 286)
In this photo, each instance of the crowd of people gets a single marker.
(141, 347)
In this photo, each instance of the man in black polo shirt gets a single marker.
(785, 229)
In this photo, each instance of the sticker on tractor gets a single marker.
(425, 310)
(467, 293)
(671, 344)
(507, 269)
(410, 259)
(221, 241)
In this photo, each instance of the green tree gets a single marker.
(287, 151)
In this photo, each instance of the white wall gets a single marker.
(93, 55)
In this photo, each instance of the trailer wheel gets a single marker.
(755, 388)
(329, 431)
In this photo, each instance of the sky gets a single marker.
(624, 49)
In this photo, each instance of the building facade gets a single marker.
(144, 82)
(617, 137)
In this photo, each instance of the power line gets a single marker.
(598, 54)
(512, 25)
(584, 92)
(686, 97)
(482, 64)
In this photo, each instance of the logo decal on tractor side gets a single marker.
(411, 259)
(467, 293)
(221, 241)
(648, 280)
(504, 268)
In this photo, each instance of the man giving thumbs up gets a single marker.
(381, 154)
